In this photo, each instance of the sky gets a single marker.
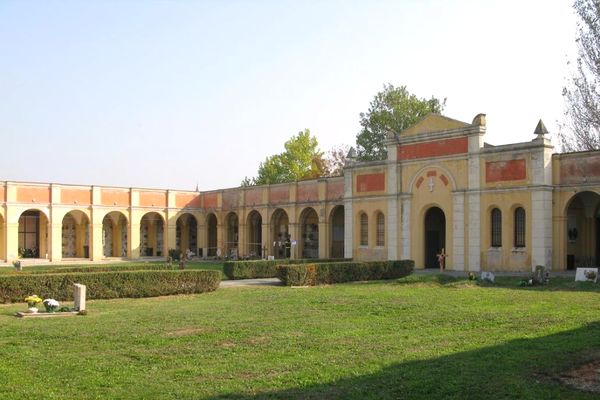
(174, 94)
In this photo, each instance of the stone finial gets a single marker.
(540, 129)
(351, 156)
(479, 120)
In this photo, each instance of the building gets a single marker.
(508, 207)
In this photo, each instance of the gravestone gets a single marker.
(80, 292)
(488, 276)
(586, 275)
(539, 276)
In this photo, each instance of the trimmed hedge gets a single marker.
(109, 285)
(264, 268)
(88, 268)
(325, 273)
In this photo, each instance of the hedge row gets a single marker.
(105, 268)
(263, 268)
(108, 285)
(325, 273)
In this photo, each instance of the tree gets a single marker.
(300, 160)
(582, 94)
(393, 109)
(335, 160)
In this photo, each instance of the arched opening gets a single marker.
(152, 230)
(75, 235)
(280, 234)
(254, 234)
(186, 234)
(33, 234)
(337, 232)
(583, 230)
(211, 235)
(309, 233)
(114, 235)
(435, 236)
(231, 243)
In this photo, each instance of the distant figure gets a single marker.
(188, 254)
(442, 259)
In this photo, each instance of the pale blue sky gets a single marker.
(167, 94)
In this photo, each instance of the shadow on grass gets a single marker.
(521, 368)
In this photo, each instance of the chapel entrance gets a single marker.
(435, 236)
(583, 230)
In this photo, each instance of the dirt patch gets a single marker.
(584, 377)
(188, 332)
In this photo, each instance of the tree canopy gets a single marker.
(582, 94)
(393, 109)
(300, 160)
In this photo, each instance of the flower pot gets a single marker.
(32, 310)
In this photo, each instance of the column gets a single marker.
(406, 206)
(458, 232)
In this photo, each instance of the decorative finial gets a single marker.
(479, 120)
(197, 187)
(540, 129)
(350, 157)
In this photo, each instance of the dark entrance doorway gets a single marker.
(435, 236)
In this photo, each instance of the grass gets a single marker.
(420, 337)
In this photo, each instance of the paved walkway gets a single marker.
(251, 282)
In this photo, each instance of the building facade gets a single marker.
(442, 189)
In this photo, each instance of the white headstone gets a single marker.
(586, 274)
(79, 297)
(488, 276)
(270, 258)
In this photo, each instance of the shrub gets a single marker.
(175, 254)
(109, 285)
(338, 272)
(249, 269)
(106, 268)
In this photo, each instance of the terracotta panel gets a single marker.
(231, 199)
(444, 179)
(500, 171)
(210, 200)
(431, 173)
(191, 200)
(253, 197)
(578, 169)
(76, 196)
(307, 192)
(420, 181)
(114, 197)
(433, 149)
(33, 195)
(153, 199)
(335, 190)
(279, 195)
(370, 183)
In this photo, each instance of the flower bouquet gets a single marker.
(51, 305)
(32, 302)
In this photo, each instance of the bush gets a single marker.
(338, 272)
(175, 254)
(109, 285)
(105, 268)
(250, 269)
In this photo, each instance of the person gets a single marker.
(188, 254)
(442, 259)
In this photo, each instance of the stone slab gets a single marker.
(21, 314)
(580, 274)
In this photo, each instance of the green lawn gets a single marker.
(421, 337)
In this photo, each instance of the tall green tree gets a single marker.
(582, 94)
(300, 160)
(393, 109)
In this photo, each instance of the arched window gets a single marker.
(520, 227)
(496, 228)
(364, 230)
(380, 229)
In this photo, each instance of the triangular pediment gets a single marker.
(433, 123)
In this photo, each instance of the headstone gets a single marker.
(270, 258)
(586, 275)
(79, 297)
(487, 276)
(539, 276)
